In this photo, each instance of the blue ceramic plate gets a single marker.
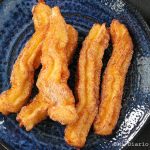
(15, 29)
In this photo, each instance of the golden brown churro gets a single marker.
(114, 78)
(52, 81)
(36, 111)
(23, 70)
(89, 70)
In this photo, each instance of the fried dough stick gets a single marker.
(89, 70)
(114, 78)
(23, 70)
(36, 111)
(52, 81)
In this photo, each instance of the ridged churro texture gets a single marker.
(22, 75)
(52, 80)
(36, 111)
(89, 70)
(113, 79)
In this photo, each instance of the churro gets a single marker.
(89, 70)
(113, 79)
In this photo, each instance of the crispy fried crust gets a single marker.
(52, 81)
(33, 113)
(36, 111)
(89, 70)
(41, 13)
(23, 70)
(113, 80)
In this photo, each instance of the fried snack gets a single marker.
(36, 111)
(89, 70)
(23, 70)
(114, 78)
(52, 80)
(33, 113)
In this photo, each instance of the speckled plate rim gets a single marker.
(146, 28)
(4, 146)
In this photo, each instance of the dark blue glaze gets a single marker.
(15, 29)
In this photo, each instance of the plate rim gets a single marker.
(146, 28)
